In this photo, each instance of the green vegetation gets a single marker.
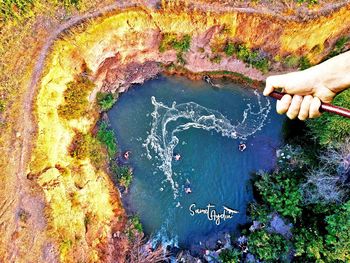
(2, 105)
(179, 43)
(269, 247)
(106, 100)
(310, 2)
(76, 98)
(180, 59)
(331, 128)
(309, 244)
(136, 223)
(293, 61)
(306, 191)
(230, 49)
(216, 59)
(340, 46)
(65, 247)
(281, 191)
(338, 236)
(254, 58)
(122, 174)
(106, 136)
(304, 63)
(173, 41)
(85, 146)
(230, 73)
(230, 256)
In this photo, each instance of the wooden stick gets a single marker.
(324, 106)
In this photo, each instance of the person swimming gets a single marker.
(177, 157)
(126, 155)
(188, 187)
(242, 146)
(208, 80)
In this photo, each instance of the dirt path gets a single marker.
(34, 205)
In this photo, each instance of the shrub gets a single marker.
(259, 212)
(69, 3)
(310, 2)
(229, 49)
(291, 61)
(126, 177)
(281, 191)
(105, 100)
(230, 256)
(106, 136)
(171, 40)
(339, 46)
(180, 59)
(268, 246)
(309, 244)
(304, 63)
(2, 106)
(85, 146)
(136, 223)
(331, 128)
(65, 248)
(123, 174)
(76, 98)
(338, 236)
(216, 59)
(253, 58)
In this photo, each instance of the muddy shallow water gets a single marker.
(205, 126)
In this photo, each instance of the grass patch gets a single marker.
(76, 100)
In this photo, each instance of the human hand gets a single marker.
(308, 88)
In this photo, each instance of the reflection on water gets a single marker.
(169, 116)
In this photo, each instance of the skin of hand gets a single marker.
(308, 88)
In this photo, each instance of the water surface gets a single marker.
(205, 125)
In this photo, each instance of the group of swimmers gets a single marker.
(177, 157)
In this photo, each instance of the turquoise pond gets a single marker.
(205, 125)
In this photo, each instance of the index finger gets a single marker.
(272, 82)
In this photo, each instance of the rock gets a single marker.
(277, 225)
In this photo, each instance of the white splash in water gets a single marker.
(163, 142)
